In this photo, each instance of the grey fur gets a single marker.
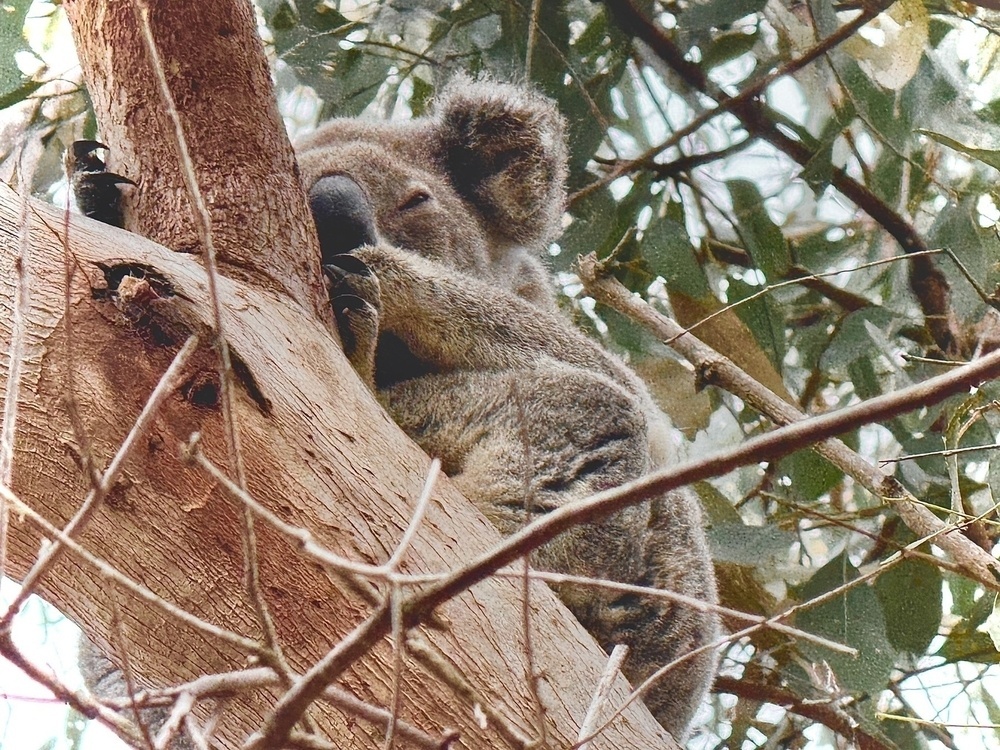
(450, 318)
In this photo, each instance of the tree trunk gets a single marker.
(318, 450)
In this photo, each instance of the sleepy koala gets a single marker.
(430, 233)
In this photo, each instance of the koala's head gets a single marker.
(477, 185)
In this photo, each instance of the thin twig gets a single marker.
(602, 693)
(78, 700)
(167, 384)
(558, 579)
(203, 220)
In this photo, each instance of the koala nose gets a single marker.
(344, 218)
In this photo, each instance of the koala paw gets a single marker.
(97, 191)
(356, 301)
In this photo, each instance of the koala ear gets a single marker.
(504, 149)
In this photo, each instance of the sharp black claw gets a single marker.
(341, 265)
(349, 303)
(106, 178)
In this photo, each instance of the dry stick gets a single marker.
(822, 712)
(396, 597)
(51, 554)
(16, 356)
(558, 579)
(602, 693)
(78, 700)
(780, 442)
(203, 219)
(117, 577)
(715, 369)
(245, 680)
(529, 53)
(178, 715)
(120, 644)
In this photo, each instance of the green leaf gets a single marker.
(811, 474)
(853, 339)
(910, 594)
(727, 47)
(719, 14)
(748, 545)
(853, 618)
(762, 237)
(14, 87)
(669, 252)
(763, 319)
(986, 156)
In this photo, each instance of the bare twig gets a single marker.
(166, 385)
(225, 684)
(718, 370)
(396, 597)
(80, 701)
(827, 713)
(557, 579)
(601, 694)
(203, 221)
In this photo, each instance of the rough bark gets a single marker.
(318, 449)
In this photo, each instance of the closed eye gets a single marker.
(416, 198)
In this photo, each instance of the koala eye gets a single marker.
(417, 197)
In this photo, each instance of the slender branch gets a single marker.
(166, 386)
(715, 369)
(827, 713)
(929, 285)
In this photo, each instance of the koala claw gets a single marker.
(96, 189)
(346, 263)
(354, 297)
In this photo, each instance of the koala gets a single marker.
(431, 232)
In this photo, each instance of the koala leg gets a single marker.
(524, 442)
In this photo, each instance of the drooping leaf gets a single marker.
(853, 618)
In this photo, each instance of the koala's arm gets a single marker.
(453, 322)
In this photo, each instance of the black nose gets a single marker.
(344, 217)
